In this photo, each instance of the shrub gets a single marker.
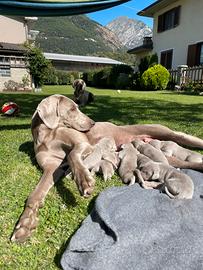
(135, 81)
(64, 77)
(51, 76)
(155, 78)
(192, 88)
(123, 81)
(115, 81)
(11, 85)
(38, 65)
(147, 62)
(114, 77)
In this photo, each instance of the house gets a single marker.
(14, 32)
(177, 32)
(79, 63)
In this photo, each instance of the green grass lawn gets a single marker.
(64, 208)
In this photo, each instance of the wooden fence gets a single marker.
(183, 76)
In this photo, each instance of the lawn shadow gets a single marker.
(121, 110)
(128, 110)
(66, 195)
(14, 127)
(28, 149)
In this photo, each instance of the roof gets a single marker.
(141, 49)
(12, 48)
(80, 58)
(156, 6)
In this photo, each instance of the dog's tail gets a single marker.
(169, 193)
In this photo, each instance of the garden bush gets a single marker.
(64, 77)
(155, 78)
(147, 62)
(116, 77)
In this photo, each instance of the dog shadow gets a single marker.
(67, 196)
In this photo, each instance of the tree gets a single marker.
(38, 65)
(147, 62)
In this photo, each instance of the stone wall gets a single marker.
(16, 76)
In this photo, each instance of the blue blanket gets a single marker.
(131, 228)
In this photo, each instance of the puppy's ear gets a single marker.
(48, 111)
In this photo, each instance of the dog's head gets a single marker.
(137, 143)
(58, 110)
(79, 87)
(150, 171)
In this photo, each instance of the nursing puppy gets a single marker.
(154, 175)
(150, 151)
(103, 158)
(170, 148)
(81, 96)
(128, 164)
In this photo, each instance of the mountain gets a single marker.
(130, 32)
(77, 35)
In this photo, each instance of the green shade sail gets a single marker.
(54, 7)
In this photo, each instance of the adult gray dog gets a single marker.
(81, 96)
(62, 134)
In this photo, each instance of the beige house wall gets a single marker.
(189, 31)
(13, 30)
(16, 75)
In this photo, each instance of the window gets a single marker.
(169, 19)
(4, 60)
(195, 54)
(166, 59)
(5, 71)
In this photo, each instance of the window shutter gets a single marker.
(166, 59)
(192, 55)
(177, 16)
(160, 23)
(163, 57)
(169, 59)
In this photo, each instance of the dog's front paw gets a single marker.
(27, 223)
(85, 182)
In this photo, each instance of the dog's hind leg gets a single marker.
(160, 132)
(29, 218)
(186, 139)
(177, 163)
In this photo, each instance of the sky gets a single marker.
(128, 9)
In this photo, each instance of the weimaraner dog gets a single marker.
(170, 149)
(155, 174)
(103, 159)
(128, 163)
(81, 96)
(62, 134)
(138, 167)
(150, 151)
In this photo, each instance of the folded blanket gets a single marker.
(136, 229)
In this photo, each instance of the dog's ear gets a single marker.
(74, 84)
(48, 111)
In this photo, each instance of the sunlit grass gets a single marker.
(64, 208)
